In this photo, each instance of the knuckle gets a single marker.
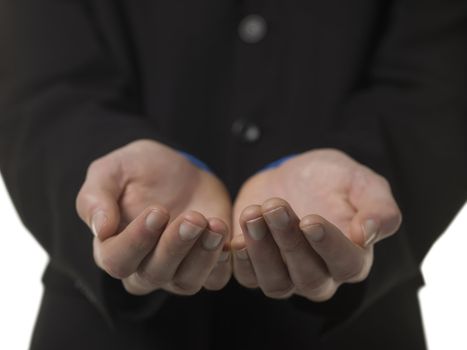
(149, 278)
(322, 297)
(217, 280)
(314, 284)
(215, 284)
(114, 268)
(247, 281)
(249, 284)
(185, 287)
(358, 278)
(129, 288)
(322, 293)
(278, 293)
(349, 272)
(346, 276)
(134, 289)
(361, 276)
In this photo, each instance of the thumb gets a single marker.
(97, 200)
(378, 215)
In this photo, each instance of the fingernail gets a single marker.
(224, 256)
(242, 254)
(98, 221)
(278, 218)
(211, 240)
(155, 220)
(370, 230)
(188, 231)
(257, 228)
(315, 232)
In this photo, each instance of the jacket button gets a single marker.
(252, 29)
(247, 131)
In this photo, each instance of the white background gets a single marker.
(22, 260)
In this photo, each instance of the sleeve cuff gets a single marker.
(195, 161)
(277, 162)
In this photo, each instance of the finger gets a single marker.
(378, 215)
(222, 271)
(242, 267)
(220, 275)
(200, 261)
(159, 267)
(121, 255)
(346, 261)
(271, 272)
(306, 268)
(97, 200)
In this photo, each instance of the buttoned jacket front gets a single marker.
(238, 84)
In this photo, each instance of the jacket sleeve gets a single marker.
(67, 97)
(409, 124)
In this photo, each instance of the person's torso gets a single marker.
(242, 83)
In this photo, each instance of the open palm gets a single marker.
(160, 221)
(333, 210)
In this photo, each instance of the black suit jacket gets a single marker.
(384, 81)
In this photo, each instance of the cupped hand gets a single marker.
(310, 224)
(160, 222)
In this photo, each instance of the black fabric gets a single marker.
(235, 319)
(384, 81)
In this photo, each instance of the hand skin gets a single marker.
(279, 253)
(160, 222)
(340, 210)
